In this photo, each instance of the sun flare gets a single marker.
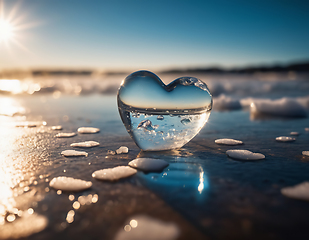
(6, 30)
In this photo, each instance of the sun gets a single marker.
(13, 23)
(6, 31)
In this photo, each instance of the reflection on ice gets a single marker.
(183, 176)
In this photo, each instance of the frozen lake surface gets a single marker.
(202, 191)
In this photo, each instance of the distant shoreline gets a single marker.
(302, 67)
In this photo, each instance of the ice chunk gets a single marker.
(122, 149)
(285, 139)
(88, 130)
(69, 184)
(113, 174)
(228, 141)
(244, 155)
(294, 133)
(86, 144)
(73, 153)
(56, 127)
(283, 107)
(305, 153)
(300, 191)
(142, 227)
(224, 102)
(65, 135)
(23, 226)
(307, 129)
(148, 164)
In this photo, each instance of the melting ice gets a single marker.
(163, 117)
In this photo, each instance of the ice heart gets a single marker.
(162, 117)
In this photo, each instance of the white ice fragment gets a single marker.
(73, 153)
(56, 127)
(148, 164)
(294, 133)
(88, 130)
(299, 191)
(24, 226)
(113, 174)
(305, 153)
(284, 107)
(224, 102)
(86, 144)
(69, 184)
(285, 139)
(122, 149)
(65, 135)
(228, 141)
(143, 227)
(244, 155)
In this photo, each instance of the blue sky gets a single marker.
(126, 34)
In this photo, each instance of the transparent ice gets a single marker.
(162, 117)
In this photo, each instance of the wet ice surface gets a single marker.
(148, 164)
(87, 144)
(143, 227)
(227, 198)
(113, 174)
(244, 155)
(88, 130)
(228, 141)
(69, 184)
(65, 135)
(299, 191)
(73, 153)
(285, 139)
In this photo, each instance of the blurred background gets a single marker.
(240, 49)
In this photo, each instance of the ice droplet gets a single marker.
(69, 184)
(88, 130)
(86, 144)
(244, 155)
(73, 153)
(299, 191)
(228, 141)
(113, 174)
(285, 139)
(65, 135)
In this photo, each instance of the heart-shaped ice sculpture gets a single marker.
(162, 117)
